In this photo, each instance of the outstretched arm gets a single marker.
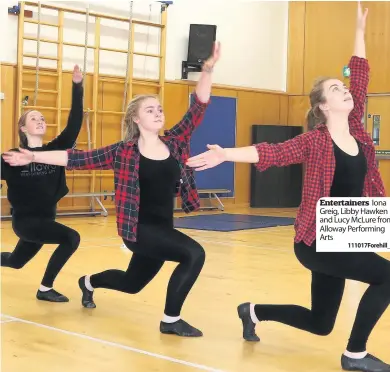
(199, 101)
(263, 155)
(359, 73)
(67, 138)
(102, 158)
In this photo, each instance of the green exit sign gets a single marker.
(346, 71)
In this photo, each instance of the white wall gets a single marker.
(253, 34)
(254, 37)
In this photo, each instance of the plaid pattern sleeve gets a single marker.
(358, 87)
(191, 120)
(102, 158)
(293, 151)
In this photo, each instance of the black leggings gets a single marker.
(34, 231)
(329, 272)
(156, 244)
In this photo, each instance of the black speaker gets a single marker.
(276, 187)
(200, 43)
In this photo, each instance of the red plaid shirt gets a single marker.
(316, 150)
(123, 158)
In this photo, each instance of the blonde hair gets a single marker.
(315, 115)
(131, 127)
(23, 142)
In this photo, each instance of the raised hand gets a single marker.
(209, 159)
(77, 75)
(213, 59)
(361, 17)
(18, 159)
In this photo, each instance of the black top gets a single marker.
(37, 185)
(350, 173)
(158, 180)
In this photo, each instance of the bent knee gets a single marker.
(387, 286)
(17, 265)
(73, 238)
(384, 283)
(388, 276)
(324, 328)
(197, 254)
(132, 288)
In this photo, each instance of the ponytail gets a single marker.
(315, 115)
(23, 142)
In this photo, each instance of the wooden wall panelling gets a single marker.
(222, 92)
(112, 94)
(176, 101)
(66, 100)
(99, 139)
(321, 38)
(253, 108)
(329, 39)
(321, 41)
(381, 106)
(384, 169)
(297, 110)
(8, 120)
(81, 178)
(144, 89)
(283, 110)
(296, 46)
(378, 45)
(327, 49)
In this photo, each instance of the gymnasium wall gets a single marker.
(242, 64)
(253, 106)
(248, 61)
(321, 42)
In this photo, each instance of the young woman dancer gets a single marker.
(148, 171)
(33, 192)
(337, 149)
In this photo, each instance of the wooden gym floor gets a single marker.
(122, 333)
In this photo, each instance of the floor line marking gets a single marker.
(198, 239)
(7, 321)
(116, 345)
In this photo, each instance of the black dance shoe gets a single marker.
(51, 296)
(4, 258)
(87, 298)
(180, 328)
(248, 333)
(367, 364)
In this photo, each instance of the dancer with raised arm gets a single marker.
(34, 191)
(340, 162)
(148, 170)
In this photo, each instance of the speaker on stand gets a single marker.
(200, 48)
